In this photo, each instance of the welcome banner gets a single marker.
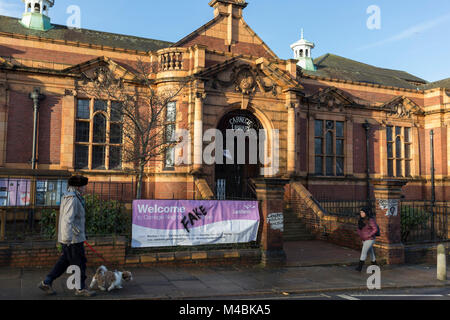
(166, 223)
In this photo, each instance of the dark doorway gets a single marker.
(233, 181)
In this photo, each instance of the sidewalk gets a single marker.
(322, 272)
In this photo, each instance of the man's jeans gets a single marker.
(71, 255)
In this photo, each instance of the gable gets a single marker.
(248, 77)
(91, 66)
(402, 107)
(228, 34)
(332, 97)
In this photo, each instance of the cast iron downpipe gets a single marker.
(36, 96)
(433, 189)
(366, 127)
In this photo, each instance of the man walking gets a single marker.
(71, 235)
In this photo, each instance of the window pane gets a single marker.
(99, 128)
(329, 143)
(170, 133)
(81, 156)
(171, 115)
(408, 168)
(83, 109)
(390, 150)
(170, 157)
(319, 166)
(116, 111)
(407, 134)
(319, 146)
(115, 157)
(330, 166)
(339, 129)
(398, 147)
(398, 131)
(389, 134)
(115, 133)
(399, 168)
(330, 125)
(100, 105)
(407, 151)
(82, 132)
(390, 168)
(98, 157)
(339, 166)
(318, 129)
(340, 147)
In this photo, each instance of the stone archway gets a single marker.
(233, 178)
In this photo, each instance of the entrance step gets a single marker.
(294, 228)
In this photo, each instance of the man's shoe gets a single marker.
(46, 288)
(374, 263)
(84, 293)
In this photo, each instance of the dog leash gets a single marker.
(98, 254)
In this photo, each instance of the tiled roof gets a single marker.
(438, 84)
(59, 32)
(336, 67)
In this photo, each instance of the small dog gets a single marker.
(109, 280)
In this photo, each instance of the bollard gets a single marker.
(441, 263)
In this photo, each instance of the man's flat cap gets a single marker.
(78, 181)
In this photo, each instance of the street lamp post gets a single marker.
(36, 96)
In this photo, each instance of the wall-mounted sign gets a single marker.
(167, 223)
(276, 221)
(391, 207)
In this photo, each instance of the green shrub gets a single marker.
(412, 219)
(102, 218)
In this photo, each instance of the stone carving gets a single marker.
(245, 79)
(401, 107)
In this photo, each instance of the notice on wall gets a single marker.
(391, 207)
(166, 223)
(276, 221)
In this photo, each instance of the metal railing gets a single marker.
(29, 207)
(424, 221)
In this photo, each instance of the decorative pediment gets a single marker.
(248, 77)
(96, 67)
(402, 107)
(331, 98)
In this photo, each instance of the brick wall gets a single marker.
(45, 254)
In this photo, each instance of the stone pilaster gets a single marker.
(270, 193)
(387, 203)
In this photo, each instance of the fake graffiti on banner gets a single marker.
(167, 223)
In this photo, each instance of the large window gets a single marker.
(171, 118)
(329, 147)
(98, 138)
(399, 142)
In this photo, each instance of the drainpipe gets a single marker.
(36, 96)
(433, 188)
(366, 127)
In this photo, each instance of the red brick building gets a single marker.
(323, 116)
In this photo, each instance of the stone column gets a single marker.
(198, 132)
(270, 193)
(387, 204)
(291, 150)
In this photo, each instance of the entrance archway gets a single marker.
(233, 178)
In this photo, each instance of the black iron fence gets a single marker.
(421, 221)
(29, 208)
(424, 221)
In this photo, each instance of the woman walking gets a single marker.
(367, 230)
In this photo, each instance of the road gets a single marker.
(423, 294)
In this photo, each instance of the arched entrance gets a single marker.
(233, 177)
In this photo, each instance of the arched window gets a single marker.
(301, 53)
(37, 8)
